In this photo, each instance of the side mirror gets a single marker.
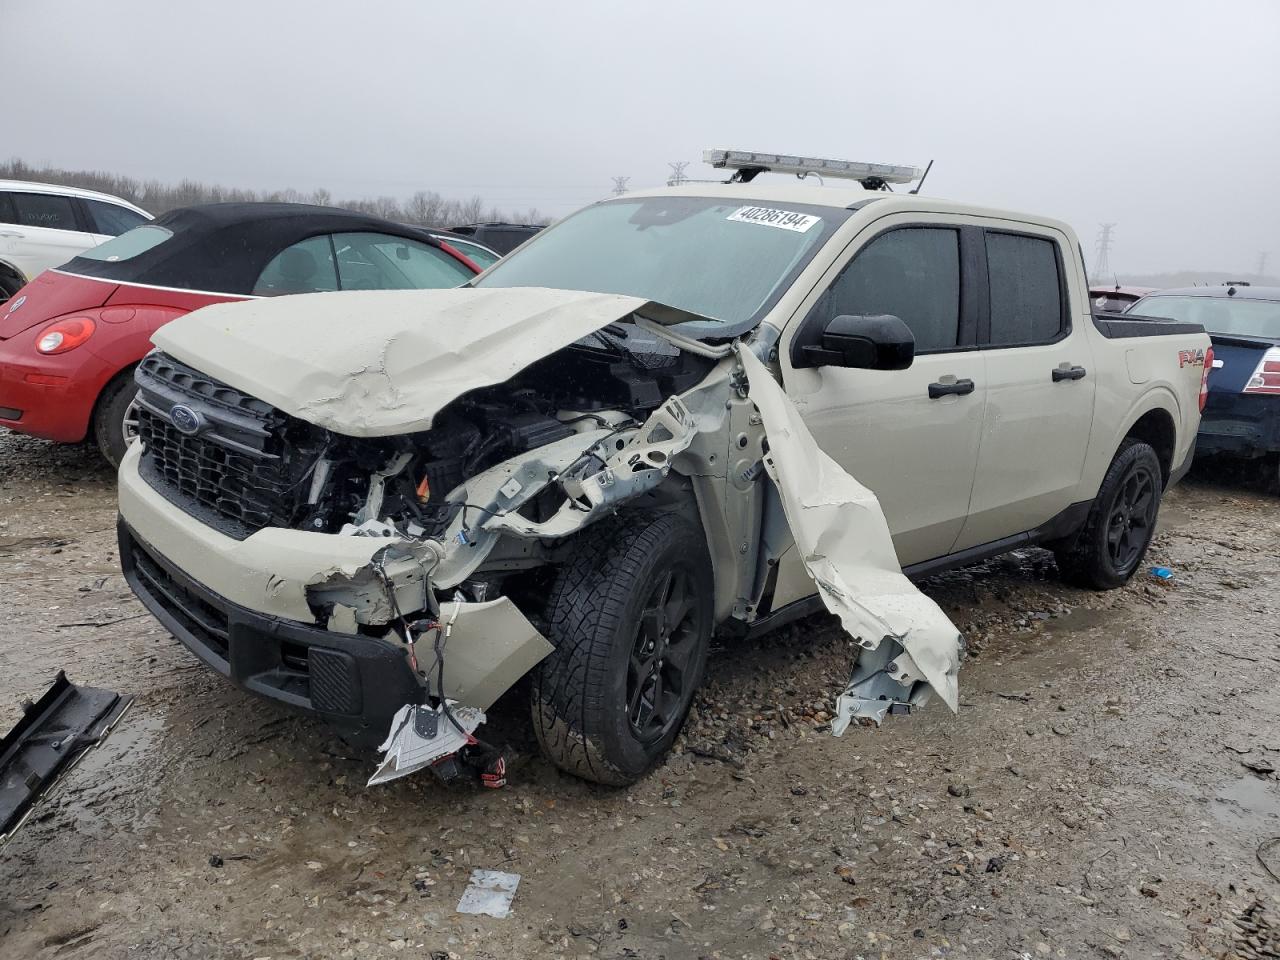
(880, 342)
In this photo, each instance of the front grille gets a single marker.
(237, 473)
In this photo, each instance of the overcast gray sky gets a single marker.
(1160, 115)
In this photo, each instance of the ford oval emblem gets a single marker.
(186, 419)
(17, 303)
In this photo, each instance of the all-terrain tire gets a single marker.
(601, 617)
(109, 417)
(1089, 558)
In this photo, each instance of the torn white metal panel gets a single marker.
(375, 363)
(488, 646)
(420, 736)
(844, 542)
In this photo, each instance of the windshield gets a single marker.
(718, 258)
(128, 245)
(1259, 318)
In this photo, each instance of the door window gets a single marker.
(306, 267)
(912, 273)
(378, 261)
(44, 210)
(112, 220)
(6, 209)
(1027, 305)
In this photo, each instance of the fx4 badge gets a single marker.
(1193, 358)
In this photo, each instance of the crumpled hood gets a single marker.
(382, 362)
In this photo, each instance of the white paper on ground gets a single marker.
(490, 892)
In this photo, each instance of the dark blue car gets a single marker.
(1242, 415)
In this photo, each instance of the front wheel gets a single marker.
(1122, 520)
(630, 617)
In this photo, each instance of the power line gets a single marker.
(677, 173)
(1102, 264)
(620, 185)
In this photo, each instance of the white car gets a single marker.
(44, 226)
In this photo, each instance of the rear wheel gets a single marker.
(630, 617)
(114, 422)
(1114, 540)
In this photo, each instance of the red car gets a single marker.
(69, 339)
(1116, 299)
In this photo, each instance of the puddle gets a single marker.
(1082, 619)
(1249, 799)
(111, 776)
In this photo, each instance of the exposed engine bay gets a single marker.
(610, 381)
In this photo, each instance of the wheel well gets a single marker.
(9, 275)
(126, 373)
(1155, 427)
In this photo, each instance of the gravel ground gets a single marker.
(1103, 792)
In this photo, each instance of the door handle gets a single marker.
(1068, 373)
(12, 236)
(955, 388)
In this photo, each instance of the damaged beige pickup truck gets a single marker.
(696, 409)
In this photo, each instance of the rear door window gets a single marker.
(912, 273)
(377, 261)
(6, 209)
(111, 219)
(305, 267)
(44, 210)
(1027, 296)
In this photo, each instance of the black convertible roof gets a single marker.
(223, 247)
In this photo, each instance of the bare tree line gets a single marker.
(425, 207)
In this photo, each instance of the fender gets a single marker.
(1106, 436)
(123, 342)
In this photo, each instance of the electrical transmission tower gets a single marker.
(620, 185)
(677, 173)
(1262, 264)
(1102, 263)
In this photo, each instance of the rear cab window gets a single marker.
(1225, 315)
(1027, 290)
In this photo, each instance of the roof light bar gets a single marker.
(748, 161)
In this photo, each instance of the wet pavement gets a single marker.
(1103, 791)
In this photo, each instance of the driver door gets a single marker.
(911, 436)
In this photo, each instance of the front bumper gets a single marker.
(251, 609)
(355, 683)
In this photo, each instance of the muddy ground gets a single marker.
(1103, 791)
